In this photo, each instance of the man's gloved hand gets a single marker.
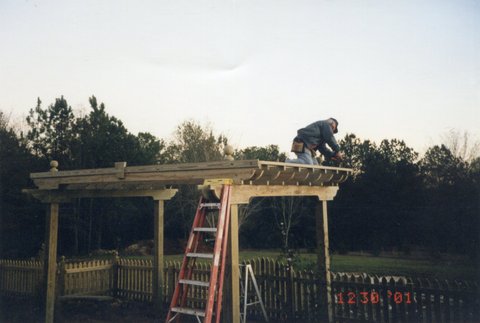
(338, 157)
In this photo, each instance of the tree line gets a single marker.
(396, 199)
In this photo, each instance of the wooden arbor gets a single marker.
(252, 178)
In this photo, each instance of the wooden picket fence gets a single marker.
(20, 278)
(288, 295)
(93, 277)
(134, 279)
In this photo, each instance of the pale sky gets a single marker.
(255, 70)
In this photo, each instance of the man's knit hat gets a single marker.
(336, 128)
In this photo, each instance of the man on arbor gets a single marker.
(313, 137)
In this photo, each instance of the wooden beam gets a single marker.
(282, 164)
(151, 168)
(120, 167)
(65, 196)
(193, 177)
(232, 307)
(50, 261)
(243, 193)
(241, 171)
(190, 173)
(323, 260)
(158, 260)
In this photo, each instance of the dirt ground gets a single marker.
(16, 310)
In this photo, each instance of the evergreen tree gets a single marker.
(20, 217)
(51, 135)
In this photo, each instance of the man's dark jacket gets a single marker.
(318, 135)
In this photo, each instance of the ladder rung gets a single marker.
(189, 311)
(200, 255)
(203, 229)
(210, 205)
(194, 282)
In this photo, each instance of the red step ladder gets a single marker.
(195, 249)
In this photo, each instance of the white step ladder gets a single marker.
(244, 286)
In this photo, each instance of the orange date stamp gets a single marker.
(372, 297)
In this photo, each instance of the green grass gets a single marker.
(425, 268)
(440, 269)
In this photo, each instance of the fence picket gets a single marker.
(436, 301)
(410, 307)
(429, 301)
(396, 299)
(299, 277)
(269, 287)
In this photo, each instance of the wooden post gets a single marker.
(115, 283)
(231, 310)
(50, 262)
(61, 277)
(323, 260)
(289, 291)
(60, 288)
(158, 262)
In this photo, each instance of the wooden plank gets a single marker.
(158, 260)
(234, 266)
(149, 169)
(88, 269)
(195, 177)
(66, 196)
(243, 193)
(192, 176)
(320, 176)
(241, 171)
(301, 175)
(51, 260)
(271, 163)
(269, 174)
(120, 167)
(257, 174)
(223, 164)
(79, 172)
(118, 186)
(323, 258)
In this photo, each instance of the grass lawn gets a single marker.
(425, 268)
